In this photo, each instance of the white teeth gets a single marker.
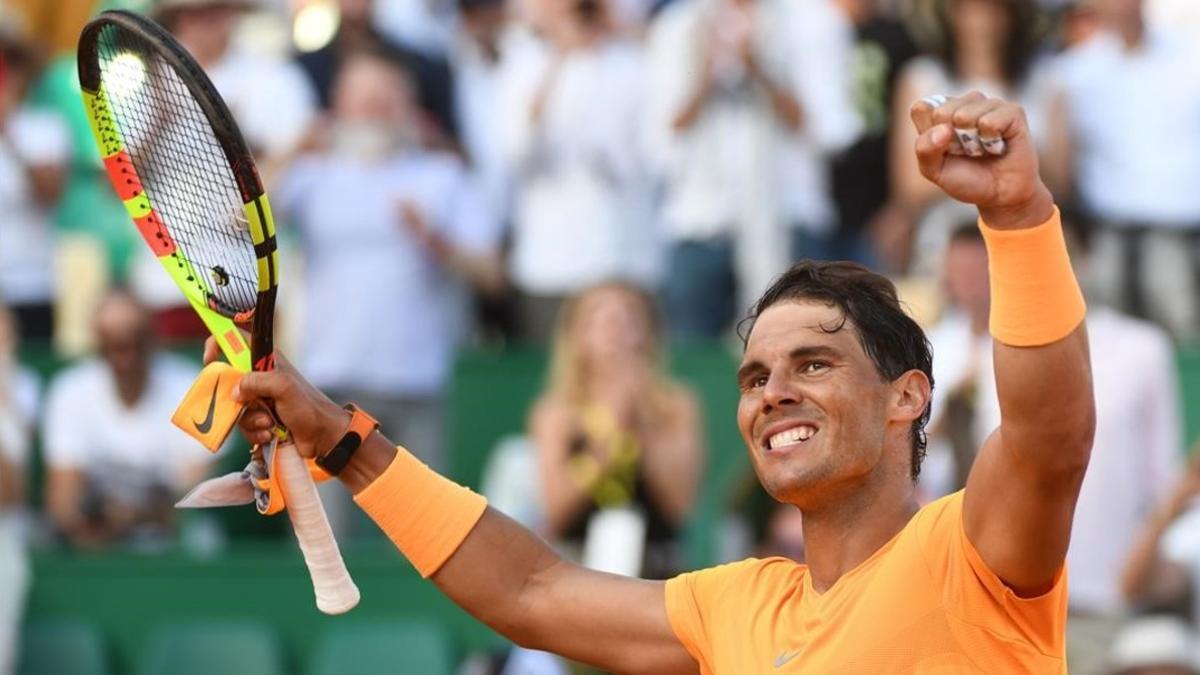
(793, 435)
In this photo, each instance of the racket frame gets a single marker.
(223, 325)
(335, 590)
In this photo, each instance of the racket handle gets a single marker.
(335, 590)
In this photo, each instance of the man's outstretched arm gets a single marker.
(1021, 493)
(500, 572)
(616, 623)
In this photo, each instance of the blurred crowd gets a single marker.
(605, 177)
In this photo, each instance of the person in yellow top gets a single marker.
(835, 390)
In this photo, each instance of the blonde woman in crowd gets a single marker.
(618, 442)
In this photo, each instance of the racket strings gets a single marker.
(183, 169)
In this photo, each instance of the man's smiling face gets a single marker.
(814, 408)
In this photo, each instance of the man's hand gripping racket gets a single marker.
(279, 462)
(176, 158)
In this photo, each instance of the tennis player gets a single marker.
(835, 390)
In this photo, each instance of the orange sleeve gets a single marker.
(977, 596)
(695, 599)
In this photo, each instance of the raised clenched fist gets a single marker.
(978, 150)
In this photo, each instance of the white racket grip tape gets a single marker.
(335, 590)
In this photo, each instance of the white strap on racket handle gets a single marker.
(335, 590)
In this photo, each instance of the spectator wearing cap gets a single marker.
(356, 31)
(1127, 127)
(746, 101)
(34, 149)
(570, 104)
(1155, 645)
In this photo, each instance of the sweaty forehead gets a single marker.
(791, 324)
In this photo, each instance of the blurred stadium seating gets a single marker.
(56, 646)
(206, 647)
(360, 648)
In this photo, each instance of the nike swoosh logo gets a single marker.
(204, 426)
(782, 659)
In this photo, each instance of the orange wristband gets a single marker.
(425, 515)
(208, 412)
(1036, 299)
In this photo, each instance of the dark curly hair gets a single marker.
(1020, 46)
(889, 336)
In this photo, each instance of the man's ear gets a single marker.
(911, 395)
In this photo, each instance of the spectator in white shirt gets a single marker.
(476, 60)
(569, 127)
(1163, 569)
(426, 25)
(1153, 645)
(401, 233)
(1128, 125)
(746, 101)
(269, 96)
(115, 462)
(1134, 165)
(34, 151)
(963, 346)
(18, 401)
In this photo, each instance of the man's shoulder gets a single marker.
(745, 578)
(1141, 339)
(247, 64)
(818, 22)
(86, 374)
(175, 371)
(952, 329)
(443, 167)
(1086, 58)
(1181, 541)
(75, 390)
(943, 503)
(825, 13)
(937, 521)
(39, 120)
(39, 134)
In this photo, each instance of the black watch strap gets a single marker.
(361, 426)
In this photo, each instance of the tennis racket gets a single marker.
(177, 160)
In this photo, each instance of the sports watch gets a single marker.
(361, 426)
